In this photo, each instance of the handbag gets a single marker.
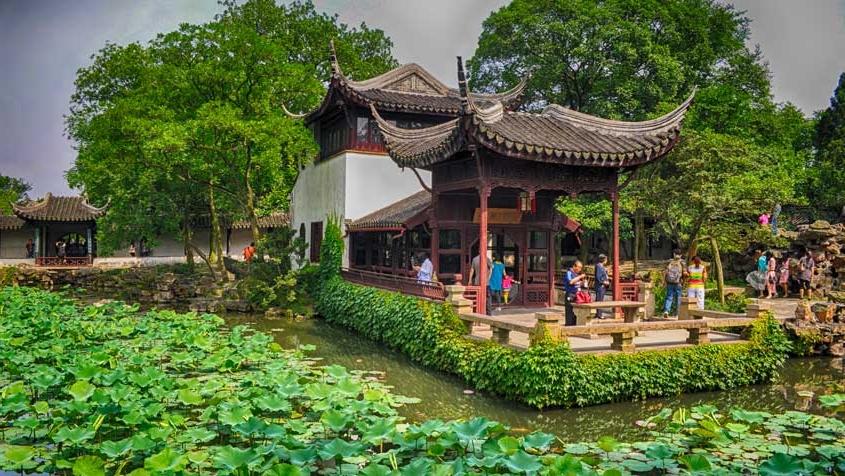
(583, 297)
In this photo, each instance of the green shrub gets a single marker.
(549, 373)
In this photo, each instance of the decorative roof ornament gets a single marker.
(291, 114)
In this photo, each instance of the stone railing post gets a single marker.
(551, 320)
(699, 335)
(462, 305)
(756, 307)
(686, 305)
(646, 294)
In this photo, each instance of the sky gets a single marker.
(44, 42)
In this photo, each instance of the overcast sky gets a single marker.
(44, 42)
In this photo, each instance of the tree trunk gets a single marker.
(720, 276)
(250, 211)
(215, 255)
(194, 248)
(187, 236)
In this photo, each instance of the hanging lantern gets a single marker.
(527, 202)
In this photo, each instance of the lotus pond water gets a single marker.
(113, 390)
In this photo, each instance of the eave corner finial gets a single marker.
(462, 86)
(336, 71)
(291, 114)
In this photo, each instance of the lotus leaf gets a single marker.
(233, 458)
(89, 466)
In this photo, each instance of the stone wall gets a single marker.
(166, 286)
(827, 243)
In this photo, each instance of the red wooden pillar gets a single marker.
(617, 290)
(484, 195)
(551, 265)
(435, 235)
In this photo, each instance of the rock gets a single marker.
(237, 305)
(278, 313)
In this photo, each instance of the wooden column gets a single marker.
(617, 291)
(551, 265)
(484, 195)
(435, 235)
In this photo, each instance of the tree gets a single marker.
(12, 190)
(191, 125)
(617, 58)
(713, 188)
(828, 185)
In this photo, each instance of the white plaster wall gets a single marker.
(319, 193)
(375, 181)
(240, 239)
(13, 242)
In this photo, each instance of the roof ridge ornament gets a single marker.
(468, 106)
(336, 71)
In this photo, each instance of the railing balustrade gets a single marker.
(392, 282)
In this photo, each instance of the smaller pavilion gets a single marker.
(49, 220)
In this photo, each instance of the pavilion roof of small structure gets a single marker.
(273, 220)
(395, 216)
(408, 88)
(557, 135)
(58, 208)
(11, 222)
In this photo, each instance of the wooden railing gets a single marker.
(66, 262)
(392, 282)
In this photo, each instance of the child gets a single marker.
(507, 282)
(784, 276)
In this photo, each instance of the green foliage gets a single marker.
(331, 250)
(548, 374)
(12, 190)
(190, 124)
(177, 395)
(829, 171)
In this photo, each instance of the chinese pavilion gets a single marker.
(494, 173)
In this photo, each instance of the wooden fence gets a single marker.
(392, 282)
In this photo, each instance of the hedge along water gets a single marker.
(548, 374)
(442, 396)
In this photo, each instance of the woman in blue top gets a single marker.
(497, 274)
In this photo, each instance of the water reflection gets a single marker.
(443, 396)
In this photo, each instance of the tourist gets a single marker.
(249, 253)
(763, 219)
(494, 284)
(507, 284)
(30, 248)
(673, 275)
(132, 249)
(697, 274)
(757, 278)
(772, 275)
(61, 249)
(571, 285)
(774, 219)
(425, 271)
(806, 267)
(783, 276)
(475, 271)
(602, 282)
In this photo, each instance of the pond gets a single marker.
(446, 397)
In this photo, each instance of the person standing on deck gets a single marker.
(602, 282)
(425, 271)
(497, 274)
(672, 276)
(507, 284)
(30, 248)
(571, 284)
(697, 277)
(475, 270)
(772, 275)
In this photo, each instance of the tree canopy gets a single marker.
(12, 190)
(636, 60)
(190, 127)
(828, 184)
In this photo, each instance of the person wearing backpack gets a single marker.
(673, 276)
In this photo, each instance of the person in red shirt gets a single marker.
(249, 252)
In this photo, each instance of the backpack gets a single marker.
(674, 272)
(583, 297)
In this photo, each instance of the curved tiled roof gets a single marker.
(273, 220)
(408, 88)
(57, 208)
(556, 135)
(10, 222)
(395, 215)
